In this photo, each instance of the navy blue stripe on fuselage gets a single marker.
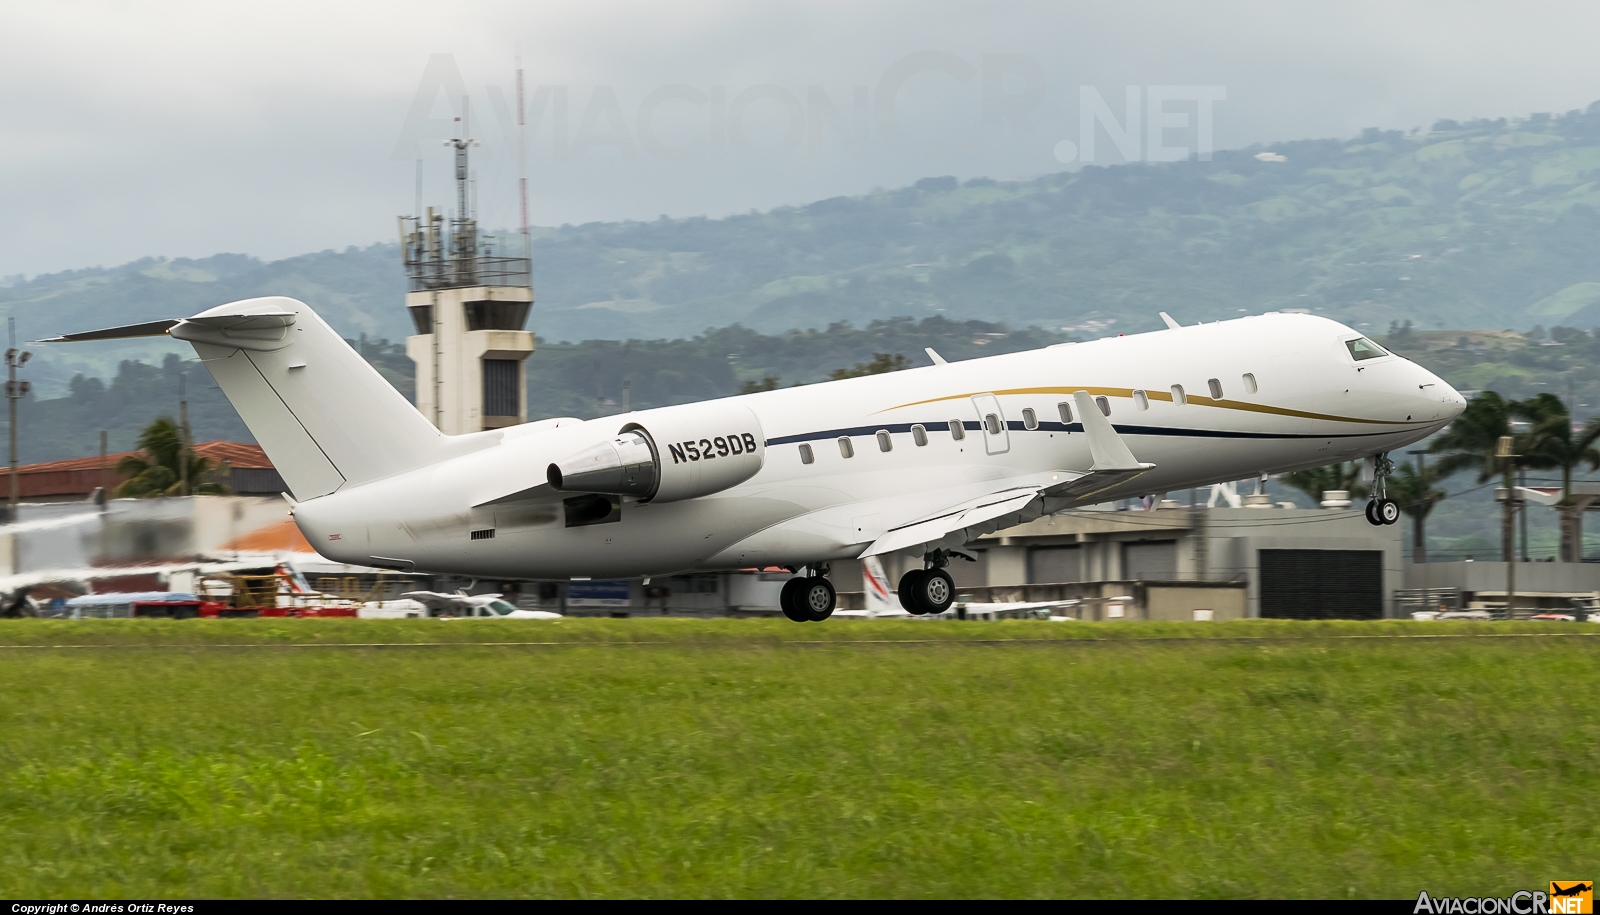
(1017, 426)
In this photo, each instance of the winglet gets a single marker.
(937, 359)
(1107, 448)
(1171, 324)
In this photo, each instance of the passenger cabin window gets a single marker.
(919, 435)
(806, 456)
(1065, 409)
(1030, 419)
(1178, 397)
(885, 443)
(1216, 389)
(1362, 348)
(1141, 400)
(845, 448)
(1249, 383)
(957, 430)
(992, 423)
(1104, 404)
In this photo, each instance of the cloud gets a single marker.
(184, 129)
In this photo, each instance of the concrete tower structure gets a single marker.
(469, 302)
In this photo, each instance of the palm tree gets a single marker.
(156, 470)
(1416, 494)
(1318, 480)
(1555, 444)
(1473, 441)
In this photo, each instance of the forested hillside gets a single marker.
(1492, 224)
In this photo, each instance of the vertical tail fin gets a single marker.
(323, 415)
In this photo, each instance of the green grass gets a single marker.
(753, 758)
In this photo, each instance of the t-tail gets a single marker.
(324, 416)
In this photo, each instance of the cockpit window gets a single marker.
(501, 607)
(1362, 348)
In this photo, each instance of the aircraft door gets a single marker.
(996, 438)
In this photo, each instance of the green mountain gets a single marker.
(1488, 224)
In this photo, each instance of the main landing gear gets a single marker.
(928, 591)
(808, 598)
(1382, 509)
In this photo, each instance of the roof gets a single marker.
(80, 476)
(237, 454)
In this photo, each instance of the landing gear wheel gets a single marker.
(817, 598)
(1372, 514)
(1387, 512)
(936, 591)
(907, 591)
(790, 600)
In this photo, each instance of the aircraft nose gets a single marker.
(1446, 402)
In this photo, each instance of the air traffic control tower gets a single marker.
(469, 301)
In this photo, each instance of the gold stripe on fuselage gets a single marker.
(1195, 399)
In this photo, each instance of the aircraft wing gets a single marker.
(959, 517)
(1113, 466)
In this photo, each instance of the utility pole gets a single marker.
(1419, 538)
(15, 391)
(105, 483)
(1503, 451)
(183, 433)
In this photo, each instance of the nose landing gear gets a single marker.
(1382, 509)
(808, 598)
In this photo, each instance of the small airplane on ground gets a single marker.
(461, 605)
(916, 462)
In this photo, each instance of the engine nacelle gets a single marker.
(669, 454)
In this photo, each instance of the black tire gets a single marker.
(936, 591)
(1388, 511)
(817, 598)
(1372, 514)
(908, 591)
(789, 600)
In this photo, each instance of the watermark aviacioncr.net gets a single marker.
(925, 105)
(1566, 897)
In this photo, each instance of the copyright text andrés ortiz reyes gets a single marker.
(100, 908)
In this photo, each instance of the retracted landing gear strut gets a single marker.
(1382, 509)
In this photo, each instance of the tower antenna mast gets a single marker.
(522, 154)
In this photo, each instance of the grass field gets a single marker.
(753, 758)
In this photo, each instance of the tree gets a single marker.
(1416, 495)
(156, 470)
(881, 362)
(1318, 480)
(769, 383)
(1553, 443)
(1473, 441)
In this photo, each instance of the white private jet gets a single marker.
(461, 605)
(919, 461)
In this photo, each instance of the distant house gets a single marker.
(244, 468)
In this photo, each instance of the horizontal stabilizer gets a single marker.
(147, 329)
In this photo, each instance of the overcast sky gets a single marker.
(183, 130)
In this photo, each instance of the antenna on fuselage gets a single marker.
(1171, 324)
